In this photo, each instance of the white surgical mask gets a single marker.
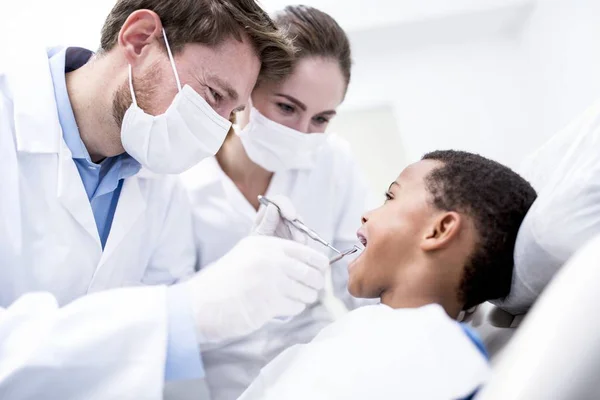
(276, 147)
(170, 143)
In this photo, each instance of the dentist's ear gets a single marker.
(140, 30)
(443, 230)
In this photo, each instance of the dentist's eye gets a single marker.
(216, 97)
(388, 196)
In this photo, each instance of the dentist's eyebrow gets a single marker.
(224, 86)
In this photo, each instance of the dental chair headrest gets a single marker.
(566, 174)
(503, 319)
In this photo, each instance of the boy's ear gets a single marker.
(442, 231)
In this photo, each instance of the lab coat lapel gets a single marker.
(72, 196)
(131, 205)
(233, 197)
(37, 128)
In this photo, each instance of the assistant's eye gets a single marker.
(286, 108)
(389, 196)
(320, 120)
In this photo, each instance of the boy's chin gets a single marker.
(354, 286)
(359, 288)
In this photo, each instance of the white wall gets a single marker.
(354, 15)
(561, 45)
(498, 90)
(468, 92)
(465, 96)
(54, 22)
(376, 143)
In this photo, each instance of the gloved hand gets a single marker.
(261, 278)
(269, 221)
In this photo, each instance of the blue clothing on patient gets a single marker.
(474, 336)
(471, 334)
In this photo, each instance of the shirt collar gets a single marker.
(63, 104)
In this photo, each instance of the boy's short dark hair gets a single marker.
(497, 199)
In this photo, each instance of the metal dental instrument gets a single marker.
(343, 254)
(296, 223)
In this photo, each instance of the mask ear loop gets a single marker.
(172, 60)
(131, 86)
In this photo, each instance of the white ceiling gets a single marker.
(355, 15)
(78, 22)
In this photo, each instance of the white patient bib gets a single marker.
(376, 352)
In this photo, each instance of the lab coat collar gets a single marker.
(281, 182)
(35, 114)
(206, 173)
(208, 176)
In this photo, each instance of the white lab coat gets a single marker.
(106, 346)
(331, 199)
(48, 236)
(377, 352)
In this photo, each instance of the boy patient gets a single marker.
(442, 242)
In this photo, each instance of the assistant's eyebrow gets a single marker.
(328, 112)
(294, 100)
(392, 184)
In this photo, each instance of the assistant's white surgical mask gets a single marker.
(276, 147)
(170, 143)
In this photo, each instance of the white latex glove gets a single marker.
(261, 278)
(269, 221)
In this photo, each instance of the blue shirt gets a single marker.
(103, 182)
(478, 343)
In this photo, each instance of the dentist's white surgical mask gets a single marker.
(276, 147)
(170, 143)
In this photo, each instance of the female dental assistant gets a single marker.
(282, 149)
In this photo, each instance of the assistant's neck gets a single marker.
(250, 178)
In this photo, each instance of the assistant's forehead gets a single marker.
(317, 82)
